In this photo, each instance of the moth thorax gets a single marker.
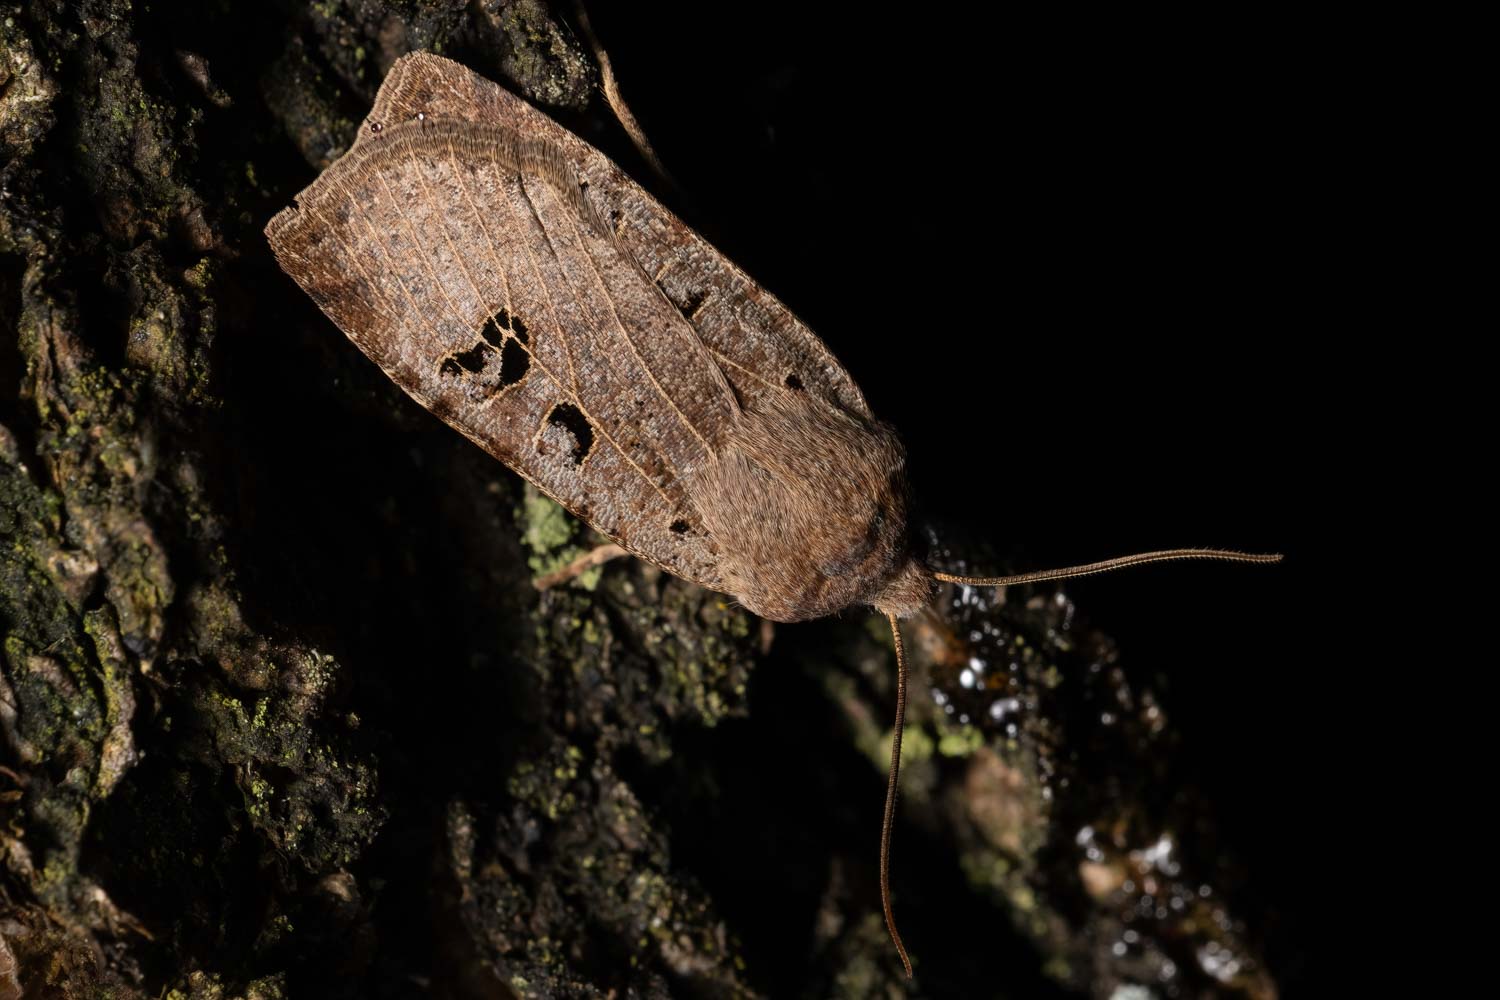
(807, 506)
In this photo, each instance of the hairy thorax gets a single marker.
(807, 505)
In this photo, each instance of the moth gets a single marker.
(515, 282)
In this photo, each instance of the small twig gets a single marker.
(587, 561)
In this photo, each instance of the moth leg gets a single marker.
(767, 635)
(596, 557)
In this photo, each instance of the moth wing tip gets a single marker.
(281, 220)
(283, 225)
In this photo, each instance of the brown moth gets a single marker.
(515, 282)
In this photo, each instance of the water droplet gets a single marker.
(1002, 707)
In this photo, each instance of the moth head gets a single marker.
(807, 505)
(906, 591)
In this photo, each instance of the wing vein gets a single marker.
(499, 267)
(615, 312)
(573, 291)
(349, 251)
(571, 392)
(422, 252)
(390, 257)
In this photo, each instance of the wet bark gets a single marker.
(283, 715)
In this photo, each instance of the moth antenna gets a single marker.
(890, 796)
(1107, 565)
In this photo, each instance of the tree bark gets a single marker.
(284, 716)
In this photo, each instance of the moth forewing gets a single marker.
(624, 340)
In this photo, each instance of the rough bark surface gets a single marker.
(282, 714)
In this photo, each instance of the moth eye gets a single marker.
(793, 382)
(571, 419)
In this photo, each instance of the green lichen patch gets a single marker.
(64, 712)
(637, 657)
(309, 794)
(553, 538)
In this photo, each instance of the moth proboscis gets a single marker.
(513, 280)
